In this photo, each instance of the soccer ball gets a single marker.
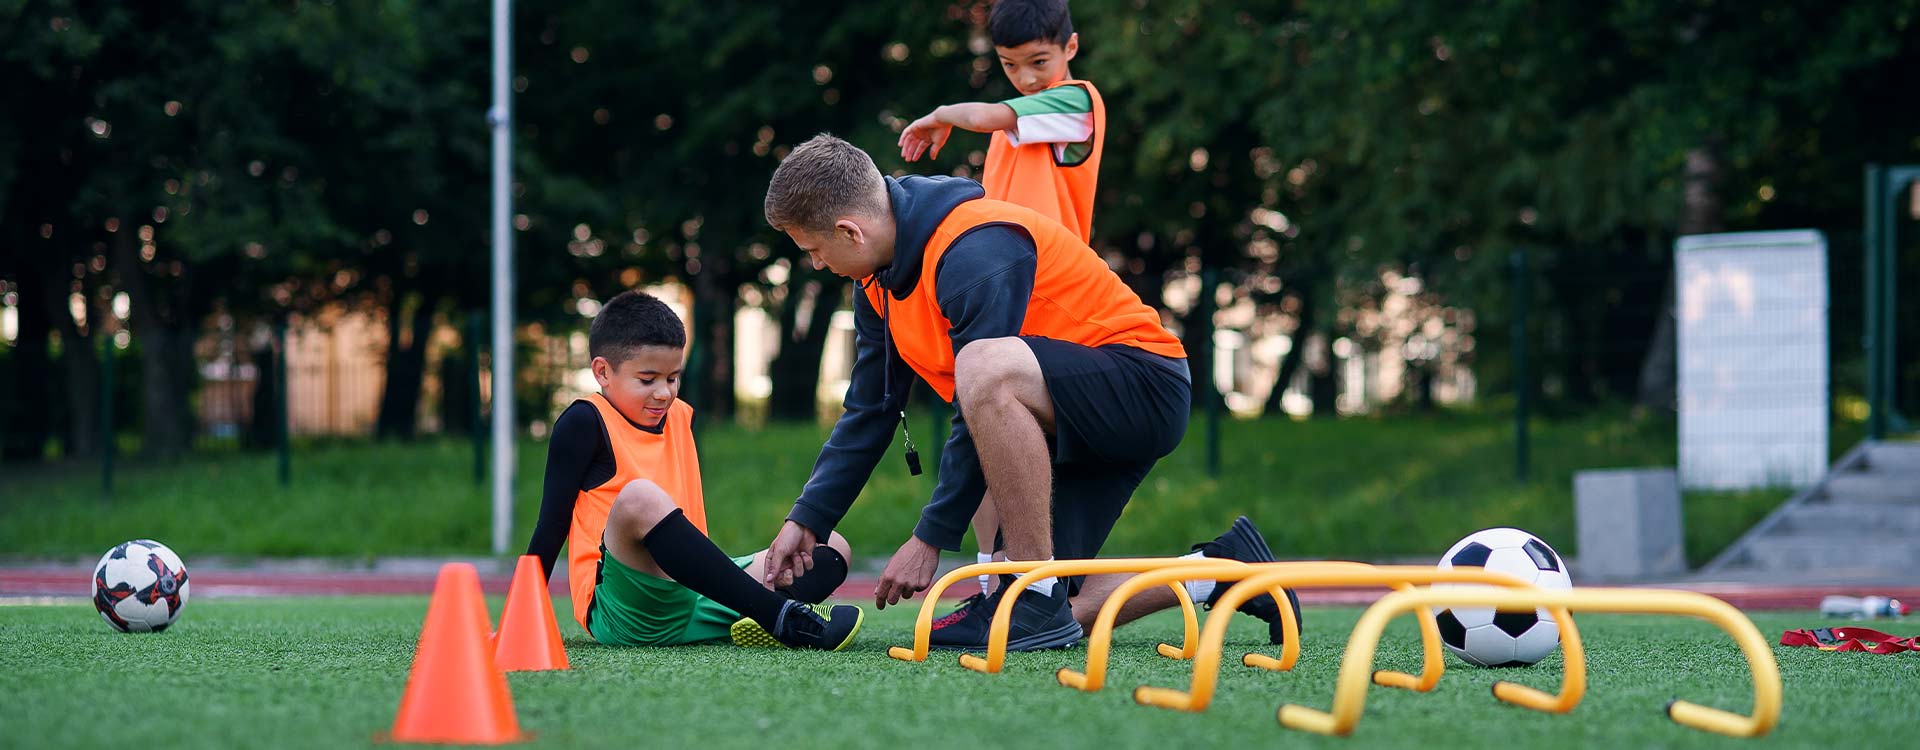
(1484, 638)
(140, 586)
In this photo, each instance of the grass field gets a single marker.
(1363, 488)
(298, 673)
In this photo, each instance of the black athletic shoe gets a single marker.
(799, 626)
(966, 625)
(1242, 541)
(1040, 621)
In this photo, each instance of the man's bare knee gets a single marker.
(639, 507)
(989, 369)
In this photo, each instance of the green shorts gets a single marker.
(631, 608)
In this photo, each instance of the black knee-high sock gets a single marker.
(692, 559)
(814, 586)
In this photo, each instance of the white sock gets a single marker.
(1199, 590)
(986, 582)
(1045, 585)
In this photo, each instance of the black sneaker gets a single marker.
(957, 626)
(966, 625)
(799, 626)
(1242, 541)
(1040, 621)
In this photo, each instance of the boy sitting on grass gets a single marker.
(622, 491)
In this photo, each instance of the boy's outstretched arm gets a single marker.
(929, 133)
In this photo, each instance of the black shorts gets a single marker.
(1117, 410)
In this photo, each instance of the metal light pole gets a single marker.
(500, 119)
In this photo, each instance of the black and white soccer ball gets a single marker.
(1485, 638)
(140, 586)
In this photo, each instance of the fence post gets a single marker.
(476, 331)
(1209, 285)
(283, 433)
(1872, 342)
(107, 444)
(1521, 297)
(1895, 181)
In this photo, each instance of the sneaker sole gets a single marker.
(1064, 636)
(748, 634)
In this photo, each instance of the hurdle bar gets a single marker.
(923, 624)
(998, 632)
(1206, 662)
(1350, 693)
(1100, 638)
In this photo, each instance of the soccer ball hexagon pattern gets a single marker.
(140, 586)
(1484, 638)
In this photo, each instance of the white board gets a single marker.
(1752, 346)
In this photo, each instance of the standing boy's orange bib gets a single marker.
(1075, 298)
(667, 459)
(1030, 176)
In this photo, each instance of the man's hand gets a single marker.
(908, 573)
(926, 133)
(790, 555)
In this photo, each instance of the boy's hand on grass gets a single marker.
(908, 573)
(790, 555)
(926, 133)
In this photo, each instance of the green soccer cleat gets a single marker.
(802, 626)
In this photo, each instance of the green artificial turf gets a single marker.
(315, 672)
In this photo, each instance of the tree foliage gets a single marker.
(258, 160)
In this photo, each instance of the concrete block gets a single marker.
(1628, 524)
(1873, 487)
(1897, 458)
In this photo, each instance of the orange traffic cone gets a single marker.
(529, 637)
(455, 694)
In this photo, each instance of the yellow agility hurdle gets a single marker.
(998, 631)
(1350, 695)
(1100, 638)
(923, 624)
(1206, 661)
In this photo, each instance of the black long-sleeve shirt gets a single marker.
(579, 458)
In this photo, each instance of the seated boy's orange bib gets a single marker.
(1075, 298)
(667, 459)
(1030, 176)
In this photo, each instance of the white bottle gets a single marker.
(1862, 607)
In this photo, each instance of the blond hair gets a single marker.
(823, 180)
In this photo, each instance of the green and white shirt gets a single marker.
(1062, 116)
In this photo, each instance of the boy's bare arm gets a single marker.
(929, 133)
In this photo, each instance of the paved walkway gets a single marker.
(62, 582)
